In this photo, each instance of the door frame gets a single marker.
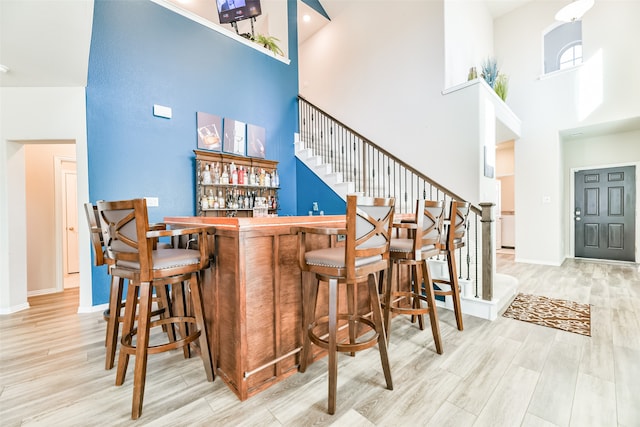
(572, 198)
(59, 190)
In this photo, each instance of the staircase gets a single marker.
(323, 170)
(340, 157)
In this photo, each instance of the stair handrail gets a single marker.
(476, 209)
(368, 169)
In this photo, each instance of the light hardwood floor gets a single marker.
(500, 373)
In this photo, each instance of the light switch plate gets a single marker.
(161, 111)
(152, 202)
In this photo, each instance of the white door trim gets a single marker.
(59, 216)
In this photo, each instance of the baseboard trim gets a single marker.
(14, 309)
(42, 292)
(92, 308)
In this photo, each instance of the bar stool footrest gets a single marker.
(322, 341)
(130, 348)
(107, 314)
(408, 310)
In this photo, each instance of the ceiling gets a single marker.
(48, 45)
(45, 43)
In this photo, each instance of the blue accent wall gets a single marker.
(311, 189)
(143, 54)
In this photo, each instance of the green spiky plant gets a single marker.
(270, 43)
(502, 86)
(490, 71)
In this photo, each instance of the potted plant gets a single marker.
(490, 71)
(502, 86)
(270, 43)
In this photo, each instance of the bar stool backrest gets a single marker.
(369, 226)
(97, 244)
(131, 241)
(430, 220)
(457, 227)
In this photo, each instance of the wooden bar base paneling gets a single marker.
(253, 297)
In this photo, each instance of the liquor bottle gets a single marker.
(241, 176)
(211, 198)
(275, 181)
(220, 199)
(206, 175)
(252, 177)
(224, 179)
(204, 203)
(267, 180)
(234, 175)
(216, 173)
(261, 178)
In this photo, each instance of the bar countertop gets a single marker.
(246, 223)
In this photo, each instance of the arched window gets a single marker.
(570, 56)
(563, 46)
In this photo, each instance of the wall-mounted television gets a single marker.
(237, 10)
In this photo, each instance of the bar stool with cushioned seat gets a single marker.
(364, 256)
(421, 241)
(116, 303)
(129, 241)
(456, 230)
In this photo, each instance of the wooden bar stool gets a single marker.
(363, 258)
(422, 241)
(456, 231)
(129, 241)
(116, 302)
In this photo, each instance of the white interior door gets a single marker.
(70, 241)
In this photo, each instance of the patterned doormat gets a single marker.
(554, 313)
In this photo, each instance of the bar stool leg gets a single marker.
(142, 347)
(179, 310)
(416, 288)
(113, 325)
(164, 304)
(382, 335)
(127, 326)
(387, 298)
(433, 312)
(453, 278)
(309, 299)
(352, 307)
(333, 350)
(207, 358)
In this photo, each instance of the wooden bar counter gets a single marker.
(253, 297)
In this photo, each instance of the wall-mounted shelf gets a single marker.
(219, 196)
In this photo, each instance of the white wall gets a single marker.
(468, 38)
(26, 115)
(605, 88)
(386, 81)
